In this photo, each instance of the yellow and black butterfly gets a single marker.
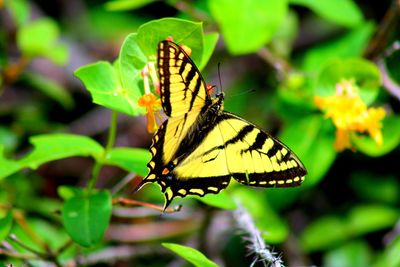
(200, 147)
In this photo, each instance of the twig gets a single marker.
(281, 66)
(131, 202)
(386, 27)
(112, 254)
(253, 236)
(392, 87)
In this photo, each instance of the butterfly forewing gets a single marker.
(182, 87)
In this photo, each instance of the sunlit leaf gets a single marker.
(19, 9)
(131, 61)
(248, 25)
(104, 84)
(342, 12)
(131, 159)
(119, 5)
(349, 45)
(210, 41)
(58, 146)
(40, 38)
(191, 255)
(183, 32)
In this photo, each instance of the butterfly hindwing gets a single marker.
(256, 158)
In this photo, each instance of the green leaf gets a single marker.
(50, 147)
(365, 74)
(39, 38)
(7, 166)
(183, 32)
(67, 192)
(370, 218)
(273, 229)
(356, 253)
(222, 200)
(59, 54)
(51, 89)
(120, 5)
(349, 45)
(391, 139)
(376, 188)
(5, 225)
(191, 255)
(210, 41)
(103, 82)
(131, 62)
(329, 231)
(391, 255)
(283, 41)
(317, 145)
(342, 12)
(323, 233)
(86, 218)
(131, 159)
(19, 9)
(248, 25)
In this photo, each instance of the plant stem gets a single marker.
(111, 132)
(110, 143)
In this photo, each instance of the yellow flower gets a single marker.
(349, 113)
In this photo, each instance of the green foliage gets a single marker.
(364, 73)
(40, 38)
(5, 225)
(191, 255)
(273, 229)
(342, 12)
(391, 135)
(330, 231)
(86, 217)
(248, 25)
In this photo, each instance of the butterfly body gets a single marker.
(200, 147)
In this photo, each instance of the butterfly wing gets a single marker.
(256, 158)
(182, 88)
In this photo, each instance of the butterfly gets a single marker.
(200, 147)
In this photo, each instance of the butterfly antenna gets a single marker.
(219, 77)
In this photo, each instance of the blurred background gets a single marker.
(291, 74)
